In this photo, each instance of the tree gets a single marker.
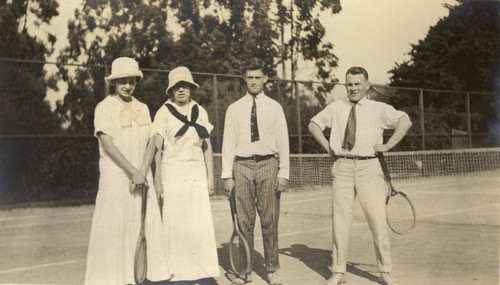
(101, 31)
(215, 36)
(23, 87)
(461, 52)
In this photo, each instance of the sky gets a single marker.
(374, 34)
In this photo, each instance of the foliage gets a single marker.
(23, 108)
(23, 85)
(461, 52)
(212, 36)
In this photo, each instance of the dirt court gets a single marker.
(456, 240)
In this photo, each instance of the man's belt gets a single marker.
(255, 158)
(355, 157)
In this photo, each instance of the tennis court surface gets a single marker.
(456, 240)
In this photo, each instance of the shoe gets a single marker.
(239, 281)
(273, 278)
(387, 279)
(337, 278)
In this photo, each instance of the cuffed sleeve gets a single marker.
(203, 120)
(159, 123)
(389, 116)
(103, 121)
(324, 118)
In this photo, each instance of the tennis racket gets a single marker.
(239, 251)
(400, 211)
(140, 260)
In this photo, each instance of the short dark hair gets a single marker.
(253, 64)
(357, 70)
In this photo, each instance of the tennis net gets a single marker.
(314, 170)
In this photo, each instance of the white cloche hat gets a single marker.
(178, 74)
(124, 67)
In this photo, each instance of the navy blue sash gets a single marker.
(195, 112)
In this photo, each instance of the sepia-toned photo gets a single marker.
(231, 142)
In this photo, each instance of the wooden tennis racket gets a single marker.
(400, 212)
(140, 260)
(239, 251)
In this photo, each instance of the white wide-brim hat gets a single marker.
(178, 74)
(124, 67)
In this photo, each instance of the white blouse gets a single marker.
(130, 131)
(184, 152)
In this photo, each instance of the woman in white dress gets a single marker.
(122, 126)
(185, 172)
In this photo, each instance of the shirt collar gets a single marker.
(361, 102)
(249, 96)
(115, 101)
(190, 104)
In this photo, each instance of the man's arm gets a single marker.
(282, 142)
(402, 128)
(228, 150)
(318, 135)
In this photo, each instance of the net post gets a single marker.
(469, 129)
(106, 84)
(279, 90)
(299, 126)
(422, 122)
(216, 110)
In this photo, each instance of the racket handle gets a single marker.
(383, 164)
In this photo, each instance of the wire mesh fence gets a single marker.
(62, 168)
(63, 165)
(442, 119)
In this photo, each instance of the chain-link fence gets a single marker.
(64, 165)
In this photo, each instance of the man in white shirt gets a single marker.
(357, 125)
(255, 163)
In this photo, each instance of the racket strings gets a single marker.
(400, 214)
(239, 258)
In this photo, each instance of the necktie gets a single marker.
(202, 131)
(254, 128)
(350, 130)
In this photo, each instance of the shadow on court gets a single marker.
(455, 241)
(259, 263)
(319, 260)
(206, 281)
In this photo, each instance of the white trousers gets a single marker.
(364, 179)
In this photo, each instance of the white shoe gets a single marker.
(337, 278)
(387, 279)
(273, 278)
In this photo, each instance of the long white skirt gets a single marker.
(189, 230)
(114, 235)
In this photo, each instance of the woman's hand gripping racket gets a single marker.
(140, 260)
(239, 251)
(400, 212)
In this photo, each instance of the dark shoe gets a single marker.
(337, 278)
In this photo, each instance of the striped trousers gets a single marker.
(255, 191)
